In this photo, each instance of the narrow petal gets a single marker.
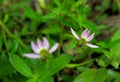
(85, 33)
(92, 46)
(74, 34)
(90, 37)
(53, 48)
(34, 47)
(32, 55)
(45, 43)
(39, 43)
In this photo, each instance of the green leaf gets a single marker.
(52, 66)
(53, 29)
(57, 2)
(101, 63)
(113, 74)
(117, 80)
(4, 65)
(30, 13)
(59, 63)
(71, 45)
(100, 75)
(31, 80)
(82, 69)
(40, 69)
(106, 4)
(20, 65)
(72, 65)
(49, 16)
(115, 49)
(116, 36)
(48, 79)
(107, 54)
(115, 64)
(92, 76)
(87, 76)
(67, 78)
(6, 18)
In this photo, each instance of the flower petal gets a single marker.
(74, 34)
(45, 43)
(39, 43)
(90, 37)
(32, 55)
(34, 47)
(53, 48)
(85, 34)
(91, 45)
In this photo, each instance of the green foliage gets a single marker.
(5, 64)
(87, 76)
(92, 75)
(23, 21)
(20, 65)
(51, 66)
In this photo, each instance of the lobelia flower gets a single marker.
(41, 49)
(85, 37)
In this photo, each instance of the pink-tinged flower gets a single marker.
(85, 37)
(41, 49)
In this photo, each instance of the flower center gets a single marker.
(82, 41)
(43, 53)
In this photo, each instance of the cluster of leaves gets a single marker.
(25, 20)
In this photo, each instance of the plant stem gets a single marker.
(118, 4)
(11, 35)
(77, 65)
(4, 38)
(61, 41)
(6, 30)
(87, 62)
(60, 45)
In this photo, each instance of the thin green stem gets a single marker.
(4, 38)
(77, 65)
(87, 62)
(61, 39)
(60, 45)
(11, 35)
(6, 30)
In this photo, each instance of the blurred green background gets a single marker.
(23, 21)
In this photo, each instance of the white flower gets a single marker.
(86, 36)
(41, 49)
